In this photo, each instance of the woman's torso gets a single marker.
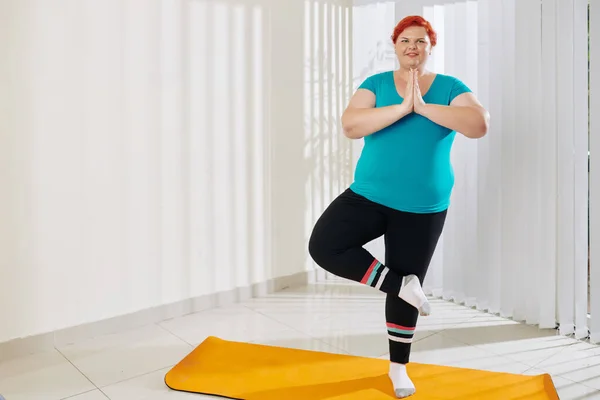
(406, 166)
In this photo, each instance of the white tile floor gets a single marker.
(334, 317)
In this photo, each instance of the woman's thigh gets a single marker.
(349, 221)
(411, 240)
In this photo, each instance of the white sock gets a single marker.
(412, 293)
(403, 386)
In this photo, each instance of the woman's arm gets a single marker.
(361, 118)
(464, 115)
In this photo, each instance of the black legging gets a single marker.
(336, 245)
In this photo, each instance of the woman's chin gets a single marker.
(411, 64)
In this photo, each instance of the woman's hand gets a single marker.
(407, 105)
(419, 103)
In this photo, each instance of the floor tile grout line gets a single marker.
(99, 388)
(77, 368)
(104, 394)
(478, 347)
(504, 356)
(560, 375)
(299, 331)
(89, 391)
(174, 334)
(553, 355)
(581, 383)
(508, 357)
(133, 377)
(572, 381)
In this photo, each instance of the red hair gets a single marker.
(415, 20)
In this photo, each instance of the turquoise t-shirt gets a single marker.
(406, 166)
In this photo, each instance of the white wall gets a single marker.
(159, 150)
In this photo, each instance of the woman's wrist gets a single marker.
(403, 110)
(422, 109)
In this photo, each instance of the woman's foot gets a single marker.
(412, 292)
(403, 386)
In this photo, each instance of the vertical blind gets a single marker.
(516, 239)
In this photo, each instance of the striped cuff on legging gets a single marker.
(375, 275)
(399, 333)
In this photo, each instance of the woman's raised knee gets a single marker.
(319, 249)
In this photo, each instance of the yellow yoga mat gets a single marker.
(257, 372)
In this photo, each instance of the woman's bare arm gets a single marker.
(361, 118)
(464, 115)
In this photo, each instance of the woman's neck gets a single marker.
(404, 72)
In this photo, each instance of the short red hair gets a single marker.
(415, 20)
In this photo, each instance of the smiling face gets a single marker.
(413, 47)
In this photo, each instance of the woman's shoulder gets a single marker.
(379, 76)
(449, 82)
(374, 81)
(449, 86)
(448, 79)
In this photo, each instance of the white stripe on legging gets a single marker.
(399, 339)
(381, 278)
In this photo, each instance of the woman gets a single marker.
(403, 182)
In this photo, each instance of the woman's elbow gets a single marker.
(485, 124)
(348, 130)
(350, 133)
(482, 127)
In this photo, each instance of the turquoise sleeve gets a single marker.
(458, 88)
(368, 84)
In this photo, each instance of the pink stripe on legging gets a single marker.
(390, 325)
(365, 278)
